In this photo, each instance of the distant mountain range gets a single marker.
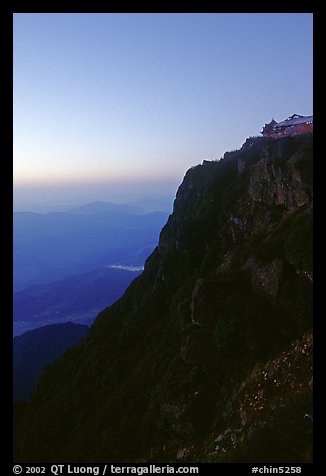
(35, 349)
(56, 245)
(104, 207)
(142, 205)
(77, 298)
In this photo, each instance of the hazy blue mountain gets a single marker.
(77, 298)
(34, 349)
(103, 207)
(57, 245)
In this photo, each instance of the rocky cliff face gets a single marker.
(175, 370)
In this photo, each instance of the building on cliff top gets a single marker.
(293, 125)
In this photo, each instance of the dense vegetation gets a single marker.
(172, 367)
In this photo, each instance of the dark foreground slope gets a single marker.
(33, 350)
(207, 356)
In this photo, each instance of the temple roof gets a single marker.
(295, 119)
(269, 127)
(272, 123)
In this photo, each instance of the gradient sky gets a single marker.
(117, 106)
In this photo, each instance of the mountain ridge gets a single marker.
(78, 298)
(227, 290)
(103, 207)
(53, 246)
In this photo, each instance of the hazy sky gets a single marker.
(116, 106)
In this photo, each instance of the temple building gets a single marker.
(293, 125)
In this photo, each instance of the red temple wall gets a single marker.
(291, 130)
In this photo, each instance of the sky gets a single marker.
(118, 106)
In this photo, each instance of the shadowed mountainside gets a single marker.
(35, 349)
(222, 314)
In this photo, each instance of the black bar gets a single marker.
(140, 469)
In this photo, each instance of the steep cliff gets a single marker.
(176, 363)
